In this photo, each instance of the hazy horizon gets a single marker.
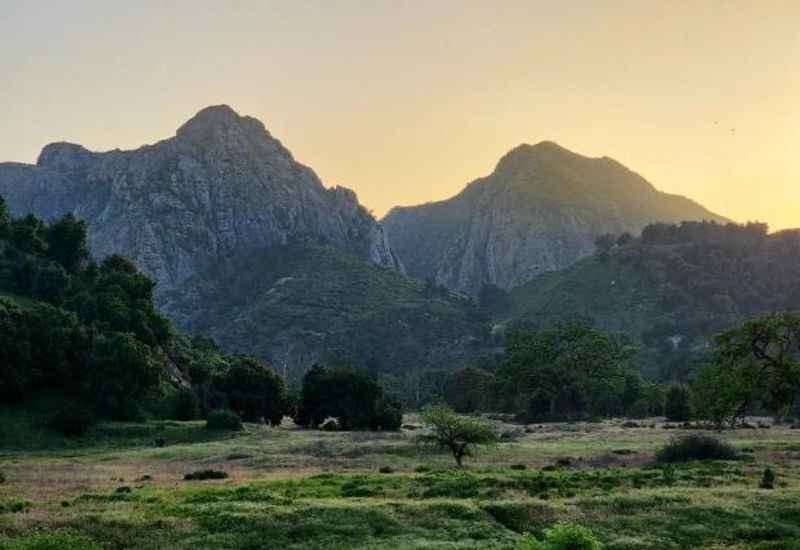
(407, 102)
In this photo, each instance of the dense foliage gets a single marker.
(753, 366)
(91, 334)
(564, 371)
(671, 290)
(352, 396)
(253, 391)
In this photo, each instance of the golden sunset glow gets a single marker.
(406, 102)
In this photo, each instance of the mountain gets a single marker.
(222, 186)
(248, 246)
(670, 290)
(540, 210)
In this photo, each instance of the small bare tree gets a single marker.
(458, 434)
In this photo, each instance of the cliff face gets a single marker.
(540, 210)
(221, 187)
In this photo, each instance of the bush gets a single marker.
(563, 537)
(202, 475)
(223, 419)
(696, 447)
(2, 477)
(767, 479)
(72, 420)
(185, 406)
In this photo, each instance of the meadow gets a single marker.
(122, 486)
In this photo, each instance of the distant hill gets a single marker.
(540, 210)
(302, 303)
(671, 290)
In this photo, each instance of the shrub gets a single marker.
(767, 479)
(223, 419)
(386, 470)
(71, 420)
(185, 406)
(696, 447)
(2, 477)
(202, 475)
(563, 537)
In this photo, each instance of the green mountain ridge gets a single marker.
(670, 291)
(303, 303)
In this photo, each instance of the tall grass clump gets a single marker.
(696, 447)
(563, 536)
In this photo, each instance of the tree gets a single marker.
(678, 406)
(632, 392)
(558, 369)
(121, 370)
(350, 395)
(66, 240)
(15, 352)
(459, 435)
(253, 390)
(755, 363)
(467, 390)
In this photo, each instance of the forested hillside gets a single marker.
(85, 341)
(303, 303)
(670, 290)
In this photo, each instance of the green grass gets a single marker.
(302, 489)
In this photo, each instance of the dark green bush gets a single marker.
(767, 479)
(223, 419)
(2, 477)
(202, 475)
(696, 447)
(71, 420)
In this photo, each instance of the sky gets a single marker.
(407, 101)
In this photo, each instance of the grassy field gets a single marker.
(298, 489)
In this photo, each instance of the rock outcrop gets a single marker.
(540, 210)
(220, 187)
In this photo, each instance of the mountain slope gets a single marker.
(671, 290)
(540, 210)
(299, 304)
(220, 187)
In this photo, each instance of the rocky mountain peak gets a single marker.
(526, 158)
(223, 186)
(540, 210)
(64, 157)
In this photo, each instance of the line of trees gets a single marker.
(575, 371)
